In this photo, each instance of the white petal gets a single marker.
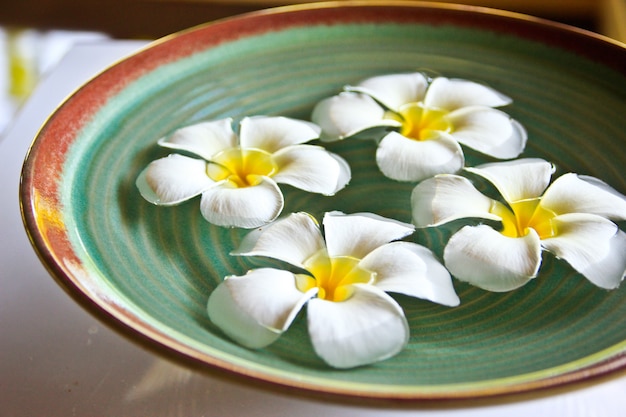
(345, 172)
(571, 193)
(518, 179)
(610, 271)
(394, 90)
(255, 309)
(446, 197)
(226, 314)
(173, 179)
(403, 159)
(368, 327)
(246, 207)
(358, 234)
(451, 94)
(591, 245)
(293, 239)
(489, 260)
(203, 139)
(273, 133)
(411, 269)
(489, 131)
(311, 168)
(347, 114)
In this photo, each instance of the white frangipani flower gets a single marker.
(428, 120)
(570, 218)
(237, 177)
(351, 319)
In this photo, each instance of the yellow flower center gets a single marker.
(523, 215)
(242, 167)
(419, 122)
(333, 276)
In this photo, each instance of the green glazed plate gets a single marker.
(149, 270)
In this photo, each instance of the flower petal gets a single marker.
(572, 193)
(311, 168)
(368, 327)
(293, 239)
(446, 197)
(404, 159)
(451, 94)
(203, 139)
(519, 179)
(347, 114)
(255, 309)
(592, 246)
(394, 90)
(411, 269)
(489, 260)
(345, 172)
(173, 179)
(358, 234)
(246, 207)
(489, 131)
(226, 314)
(273, 133)
(610, 271)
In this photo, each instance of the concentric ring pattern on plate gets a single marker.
(153, 268)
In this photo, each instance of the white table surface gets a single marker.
(58, 360)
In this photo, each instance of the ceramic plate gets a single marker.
(149, 270)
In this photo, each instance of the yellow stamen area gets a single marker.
(523, 215)
(419, 122)
(333, 276)
(242, 167)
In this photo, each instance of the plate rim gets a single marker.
(160, 343)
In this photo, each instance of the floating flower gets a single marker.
(428, 119)
(570, 218)
(351, 320)
(237, 177)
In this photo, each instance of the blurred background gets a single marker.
(35, 34)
